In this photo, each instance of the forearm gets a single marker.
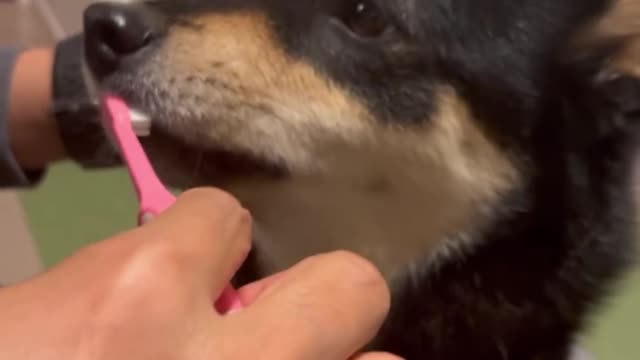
(47, 114)
(34, 136)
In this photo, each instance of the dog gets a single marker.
(480, 153)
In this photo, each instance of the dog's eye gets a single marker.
(364, 18)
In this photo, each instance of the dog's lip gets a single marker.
(216, 165)
(222, 164)
(141, 120)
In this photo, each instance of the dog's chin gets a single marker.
(182, 164)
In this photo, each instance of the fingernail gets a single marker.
(363, 271)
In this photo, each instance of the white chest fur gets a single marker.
(406, 212)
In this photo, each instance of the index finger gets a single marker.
(206, 233)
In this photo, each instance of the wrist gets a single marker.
(34, 134)
(77, 114)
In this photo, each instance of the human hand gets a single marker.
(149, 293)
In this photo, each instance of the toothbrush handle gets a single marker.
(154, 198)
(153, 204)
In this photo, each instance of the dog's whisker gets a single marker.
(198, 166)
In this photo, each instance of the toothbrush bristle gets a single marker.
(140, 122)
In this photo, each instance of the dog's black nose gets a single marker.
(112, 32)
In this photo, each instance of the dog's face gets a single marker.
(342, 123)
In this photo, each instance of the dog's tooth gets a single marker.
(140, 122)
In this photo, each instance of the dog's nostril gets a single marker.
(122, 34)
(113, 31)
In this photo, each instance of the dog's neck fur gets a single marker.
(495, 293)
(529, 288)
(390, 215)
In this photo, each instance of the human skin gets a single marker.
(148, 293)
(33, 132)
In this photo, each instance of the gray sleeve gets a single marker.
(11, 175)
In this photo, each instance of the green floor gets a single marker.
(74, 207)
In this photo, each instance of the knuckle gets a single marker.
(134, 275)
(211, 196)
(166, 259)
(160, 260)
(138, 279)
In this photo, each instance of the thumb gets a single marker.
(377, 356)
(327, 307)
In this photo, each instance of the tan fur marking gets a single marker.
(434, 180)
(627, 61)
(392, 194)
(456, 141)
(257, 72)
(623, 19)
(621, 22)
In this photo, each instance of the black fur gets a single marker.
(560, 242)
(559, 246)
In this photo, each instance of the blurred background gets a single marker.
(73, 207)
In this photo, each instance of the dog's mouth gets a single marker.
(182, 162)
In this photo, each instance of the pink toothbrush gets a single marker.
(153, 197)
